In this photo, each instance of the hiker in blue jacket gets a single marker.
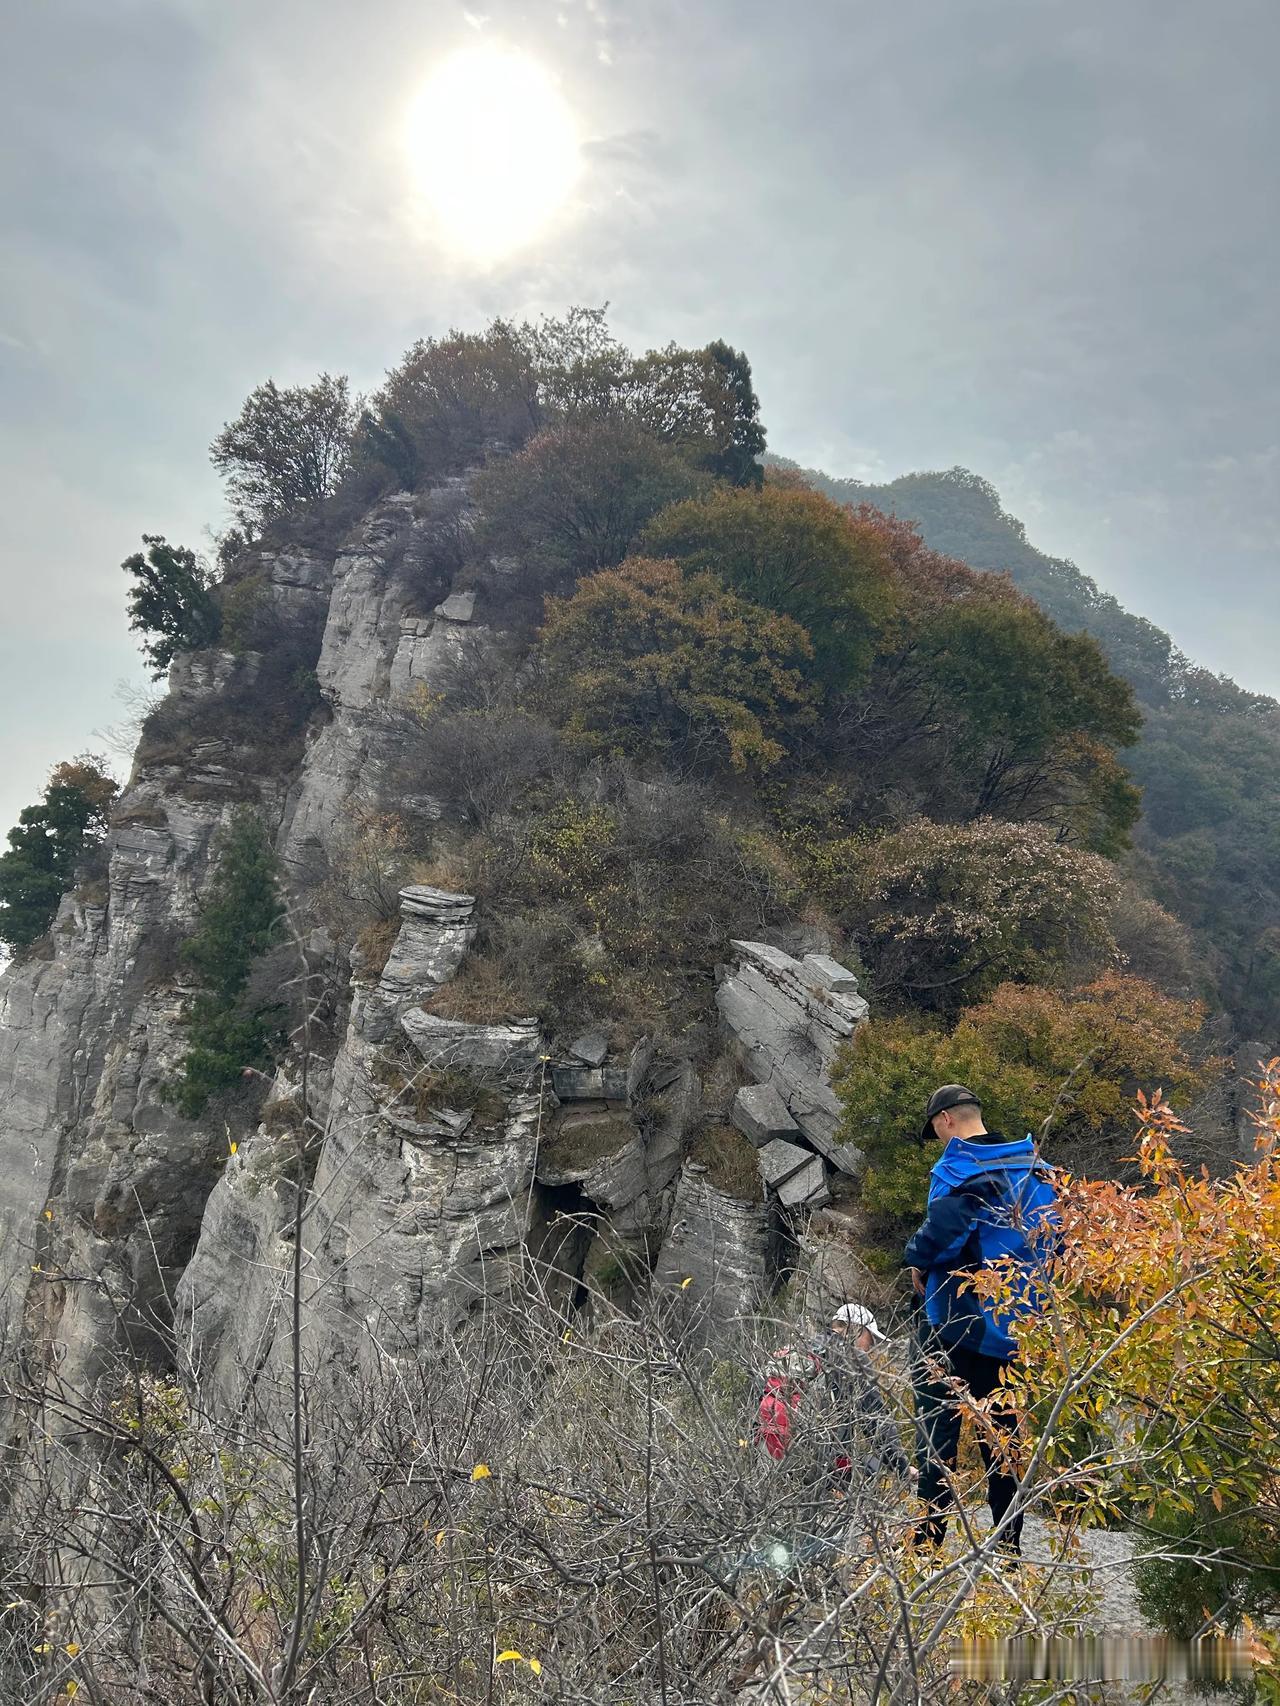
(989, 1199)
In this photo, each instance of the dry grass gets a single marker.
(730, 1160)
(374, 944)
(481, 994)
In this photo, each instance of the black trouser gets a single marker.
(939, 1413)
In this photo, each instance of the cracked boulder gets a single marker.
(787, 1018)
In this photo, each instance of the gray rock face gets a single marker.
(100, 1178)
(374, 652)
(410, 1220)
(822, 972)
(458, 607)
(760, 1113)
(435, 933)
(589, 1083)
(590, 1049)
(779, 1160)
(806, 1188)
(508, 1052)
(417, 1207)
(721, 1247)
(788, 1023)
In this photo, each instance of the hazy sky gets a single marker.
(1032, 237)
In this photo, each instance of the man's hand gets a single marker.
(917, 1280)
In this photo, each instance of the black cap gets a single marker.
(947, 1096)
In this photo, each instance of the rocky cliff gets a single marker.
(442, 1154)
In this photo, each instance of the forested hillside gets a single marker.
(1208, 841)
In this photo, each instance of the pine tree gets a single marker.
(49, 842)
(171, 600)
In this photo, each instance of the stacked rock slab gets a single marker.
(788, 1018)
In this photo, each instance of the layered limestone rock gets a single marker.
(435, 1151)
(788, 1017)
(417, 1208)
(714, 1269)
(379, 646)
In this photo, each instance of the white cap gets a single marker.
(859, 1316)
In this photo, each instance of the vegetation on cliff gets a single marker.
(53, 842)
(229, 1023)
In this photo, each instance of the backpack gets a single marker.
(787, 1377)
(1017, 1220)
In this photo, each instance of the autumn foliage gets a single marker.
(1154, 1374)
(643, 659)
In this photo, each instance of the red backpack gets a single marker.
(786, 1379)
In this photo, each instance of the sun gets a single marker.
(493, 148)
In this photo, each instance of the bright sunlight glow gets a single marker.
(494, 149)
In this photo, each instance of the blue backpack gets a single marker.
(1014, 1204)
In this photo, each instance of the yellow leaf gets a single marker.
(440, 1538)
(44, 1647)
(72, 1648)
(685, 1283)
(566, 1335)
(535, 1667)
(481, 1472)
(510, 1653)
(73, 1688)
(233, 1147)
(48, 1214)
(742, 1442)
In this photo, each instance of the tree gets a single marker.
(451, 398)
(50, 841)
(985, 706)
(738, 458)
(794, 552)
(286, 448)
(944, 912)
(1065, 1065)
(643, 658)
(170, 600)
(227, 1029)
(573, 500)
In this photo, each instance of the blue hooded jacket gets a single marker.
(987, 1201)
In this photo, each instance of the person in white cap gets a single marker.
(868, 1433)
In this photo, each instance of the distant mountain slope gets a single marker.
(1209, 759)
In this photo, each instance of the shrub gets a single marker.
(420, 1091)
(481, 762)
(448, 399)
(227, 1031)
(1160, 1318)
(573, 500)
(794, 552)
(50, 841)
(945, 912)
(644, 660)
(979, 705)
(262, 711)
(171, 600)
